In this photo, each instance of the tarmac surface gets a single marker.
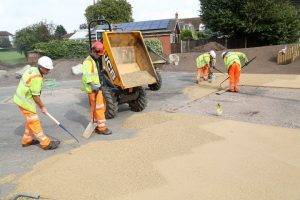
(271, 106)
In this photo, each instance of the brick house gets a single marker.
(166, 30)
(5, 34)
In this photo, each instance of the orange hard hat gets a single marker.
(98, 47)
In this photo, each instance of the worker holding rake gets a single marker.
(27, 97)
(92, 86)
(233, 62)
(204, 64)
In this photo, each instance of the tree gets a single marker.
(5, 43)
(26, 38)
(270, 21)
(60, 31)
(83, 26)
(115, 11)
(186, 34)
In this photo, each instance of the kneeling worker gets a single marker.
(92, 86)
(27, 95)
(204, 63)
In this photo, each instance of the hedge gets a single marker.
(63, 49)
(56, 49)
(155, 44)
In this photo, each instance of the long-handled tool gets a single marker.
(89, 130)
(92, 125)
(61, 126)
(247, 63)
(218, 70)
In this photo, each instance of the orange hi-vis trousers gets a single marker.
(97, 109)
(202, 73)
(234, 72)
(33, 129)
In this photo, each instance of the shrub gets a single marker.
(26, 38)
(155, 45)
(186, 34)
(63, 49)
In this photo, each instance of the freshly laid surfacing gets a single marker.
(179, 157)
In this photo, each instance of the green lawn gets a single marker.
(12, 57)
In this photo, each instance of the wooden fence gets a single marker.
(289, 54)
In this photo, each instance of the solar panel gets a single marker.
(145, 25)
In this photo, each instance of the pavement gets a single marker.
(69, 105)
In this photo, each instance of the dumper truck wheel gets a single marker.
(111, 103)
(156, 86)
(140, 103)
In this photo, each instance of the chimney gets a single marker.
(176, 16)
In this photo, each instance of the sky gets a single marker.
(17, 14)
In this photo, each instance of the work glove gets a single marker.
(95, 87)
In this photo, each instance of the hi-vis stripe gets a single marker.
(32, 77)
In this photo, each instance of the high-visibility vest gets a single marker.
(243, 58)
(30, 85)
(89, 74)
(231, 58)
(203, 60)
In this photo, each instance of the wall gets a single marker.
(165, 40)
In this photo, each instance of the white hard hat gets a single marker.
(224, 53)
(45, 62)
(213, 54)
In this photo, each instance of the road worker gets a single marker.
(27, 97)
(92, 86)
(204, 64)
(233, 63)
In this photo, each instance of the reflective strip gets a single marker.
(101, 121)
(32, 118)
(24, 99)
(41, 136)
(99, 106)
(32, 77)
(101, 125)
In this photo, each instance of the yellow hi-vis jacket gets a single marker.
(243, 58)
(230, 58)
(89, 74)
(203, 60)
(30, 85)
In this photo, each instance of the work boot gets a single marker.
(236, 89)
(33, 142)
(104, 132)
(230, 90)
(52, 145)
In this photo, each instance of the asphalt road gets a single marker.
(72, 111)
(68, 104)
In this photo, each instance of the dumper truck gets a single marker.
(127, 67)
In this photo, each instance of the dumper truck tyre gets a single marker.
(111, 103)
(140, 103)
(156, 86)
